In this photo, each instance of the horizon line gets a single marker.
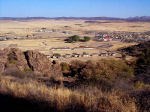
(70, 17)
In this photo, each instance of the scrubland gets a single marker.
(64, 99)
(96, 86)
(101, 85)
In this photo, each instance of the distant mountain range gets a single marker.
(130, 19)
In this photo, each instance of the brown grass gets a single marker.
(29, 27)
(89, 99)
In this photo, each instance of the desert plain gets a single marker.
(52, 33)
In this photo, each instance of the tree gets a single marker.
(74, 38)
(86, 38)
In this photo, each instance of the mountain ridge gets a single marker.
(130, 19)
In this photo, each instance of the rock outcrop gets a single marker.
(33, 61)
(12, 58)
(38, 62)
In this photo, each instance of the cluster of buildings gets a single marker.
(123, 36)
(37, 35)
(77, 55)
(99, 36)
(45, 30)
(75, 48)
(4, 38)
(102, 53)
(13, 37)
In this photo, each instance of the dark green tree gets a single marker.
(74, 38)
(86, 38)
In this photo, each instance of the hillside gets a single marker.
(142, 65)
(30, 82)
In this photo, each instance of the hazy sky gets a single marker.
(76, 8)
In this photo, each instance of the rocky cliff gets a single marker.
(14, 59)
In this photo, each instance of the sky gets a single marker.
(74, 8)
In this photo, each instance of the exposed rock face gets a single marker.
(17, 58)
(38, 62)
(13, 58)
(10, 58)
(3, 60)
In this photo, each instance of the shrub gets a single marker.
(12, 58)
(65, 67)
(102, 69)
(139, 85)
(74, 38)
(76, 67)
(26, 70)
(77, 38)
(86, 38)
(65, 100)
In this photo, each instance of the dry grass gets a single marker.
(63, 99)
(29, 27)
(37, 44)
(24, 28)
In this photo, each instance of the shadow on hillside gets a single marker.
(11, 104)
(142, 99)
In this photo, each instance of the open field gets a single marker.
(75, 26)
(45, 45)
(57, 30)
(55, 42)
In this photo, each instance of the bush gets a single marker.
(74, 38)
(76, 67)
(12, 58)
(139, 85)
(77, 38)
(65, 67)
(102, 69)
(86, 38)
